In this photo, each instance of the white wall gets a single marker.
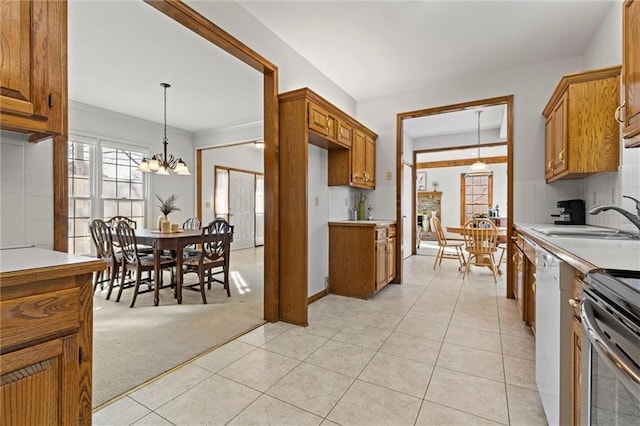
(230, 135)
(531, 86)
(91, 121)
(457, 139)
(318, 216)
(26, 197)
(448, 179)
(241, 157)
(294, 71)
(608, 188)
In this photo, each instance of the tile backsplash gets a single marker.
(26, 192)
(608, 188)
(535, 201)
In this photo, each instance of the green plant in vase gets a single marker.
(166, 206)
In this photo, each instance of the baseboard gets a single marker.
(316, 297)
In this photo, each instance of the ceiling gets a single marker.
(464, 121)
(120, 51)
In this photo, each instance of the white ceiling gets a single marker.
(456, 122)
(120, 51)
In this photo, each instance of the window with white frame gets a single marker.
(103, 182)
(122, 184)
(80, 160)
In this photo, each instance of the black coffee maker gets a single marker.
(573, 213)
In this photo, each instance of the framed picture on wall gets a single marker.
(421, 181)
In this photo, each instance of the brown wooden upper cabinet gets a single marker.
(582, 136)
(33, 70)
(630, 107)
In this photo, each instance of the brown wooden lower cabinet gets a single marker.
(361, 257)
(576, 377)
(519, 274)
(46, 322)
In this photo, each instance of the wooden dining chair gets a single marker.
(445, 243)
(133, 260)
(192, 223)
(215, 253)
(103, 241)
(480, 238)
(113, 223)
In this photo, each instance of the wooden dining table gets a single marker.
(175, 241)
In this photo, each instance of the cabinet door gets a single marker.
(519, 284)
(631, 70)
(549, 149)
(381, 263)
(530, 290)
(358, 149)
(560, 136)
(33, 70)
(370, 162)
(15, 67)
(40, 383)
(343, 133)
(391, 259)
(576, 376)
(320, 121)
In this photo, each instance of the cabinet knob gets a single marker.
(549, 165)
(534, 286)
(617, 113)
(561, 156)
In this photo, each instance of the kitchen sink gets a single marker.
(604, 234)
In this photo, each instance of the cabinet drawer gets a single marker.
(30, 318)
(381, 233)
(391, 231)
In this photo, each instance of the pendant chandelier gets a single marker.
(161, 162)
(479, 168)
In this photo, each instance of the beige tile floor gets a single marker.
(435, 350)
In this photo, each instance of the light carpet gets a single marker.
(133, 345)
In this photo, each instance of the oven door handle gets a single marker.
(628, 374)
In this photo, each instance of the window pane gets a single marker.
(124, 172)
(108, 156)
(137, 208)
(123, 189)
(81, 227)
(109, 189)
(124, 208)
(137, 191)
(109, 209)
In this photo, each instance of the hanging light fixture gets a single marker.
(479, 168)
(161, 163)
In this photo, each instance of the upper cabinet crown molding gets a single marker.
(630, 106)
(582, 136)
(33, 70)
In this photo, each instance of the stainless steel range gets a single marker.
(611, 361)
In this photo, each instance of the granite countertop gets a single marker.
(34, 258)
(586, 253)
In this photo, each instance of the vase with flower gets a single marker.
(166, 206)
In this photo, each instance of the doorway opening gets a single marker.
(447, 153)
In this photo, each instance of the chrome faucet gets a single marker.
(633, 218)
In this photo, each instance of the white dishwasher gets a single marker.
(553, 336)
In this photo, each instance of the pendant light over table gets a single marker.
(479, 168)
(161, 162)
